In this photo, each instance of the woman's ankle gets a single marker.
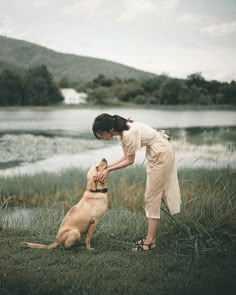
(150, 240)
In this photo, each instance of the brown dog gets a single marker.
(85, 215)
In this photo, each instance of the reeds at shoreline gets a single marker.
(208, 197)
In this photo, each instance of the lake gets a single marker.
(36, 140)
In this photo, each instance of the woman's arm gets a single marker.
(129, 160)
(119, 161)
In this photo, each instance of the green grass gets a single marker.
(42, 189)
(196, 249)
(174, 268)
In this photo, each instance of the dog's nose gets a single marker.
(104, 160)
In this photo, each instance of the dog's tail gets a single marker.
(41, 246)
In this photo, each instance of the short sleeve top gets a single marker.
(137, 136)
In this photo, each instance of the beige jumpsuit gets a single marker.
(161, 167)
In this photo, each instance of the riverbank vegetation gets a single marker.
(68, 186)
(195, 253)
(208, 197)
(162, 90)
(37, 87)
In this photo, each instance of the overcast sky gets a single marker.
(175, 37)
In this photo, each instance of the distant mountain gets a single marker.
(19, 55)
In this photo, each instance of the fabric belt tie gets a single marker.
(164, 135)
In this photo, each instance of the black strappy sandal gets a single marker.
(139, 247)
(139, 242)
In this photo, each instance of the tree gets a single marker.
(140, 99)
(101, 80)
(229, 92)
(100, 95)
(35, 90)
(153, 84)
(198, 97)
(170, 91)
(130, 90)
(64, 83)
(196, 79)
(11, 88)
(40, 89)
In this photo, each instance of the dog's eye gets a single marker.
(97, 167)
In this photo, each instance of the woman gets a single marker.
(161, 167)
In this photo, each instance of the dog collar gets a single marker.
(103, 190)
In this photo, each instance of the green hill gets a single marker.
(11, 66)
(19, 55)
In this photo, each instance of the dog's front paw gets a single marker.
(90, 249)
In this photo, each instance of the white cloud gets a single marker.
(86, 9)
(219, 29)
(6, 25)
(207, 25)
(39, 3)
(213, 63)
(147, 37)
(170, 4)
(134, 10)
(195, 20)
(9, 28)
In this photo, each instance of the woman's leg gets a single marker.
(152, 230)
(150, 241)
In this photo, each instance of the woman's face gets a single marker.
(105, 135)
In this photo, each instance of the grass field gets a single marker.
(196, 250)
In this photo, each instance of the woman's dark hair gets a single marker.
(105, 122)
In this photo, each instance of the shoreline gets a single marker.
(187, 107)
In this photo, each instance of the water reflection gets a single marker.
(30, 154)
(205, 147)
(20, 218)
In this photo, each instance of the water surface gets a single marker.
(32, 141)
(80, 120)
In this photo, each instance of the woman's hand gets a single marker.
(104, 176)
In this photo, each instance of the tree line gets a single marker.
(161, 90)
(37, 87)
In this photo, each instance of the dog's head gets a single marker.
(93, 176)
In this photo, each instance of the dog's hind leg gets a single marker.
(91, 229)
(73, 237)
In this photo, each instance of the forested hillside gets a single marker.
(22, 55)
(32, 75)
